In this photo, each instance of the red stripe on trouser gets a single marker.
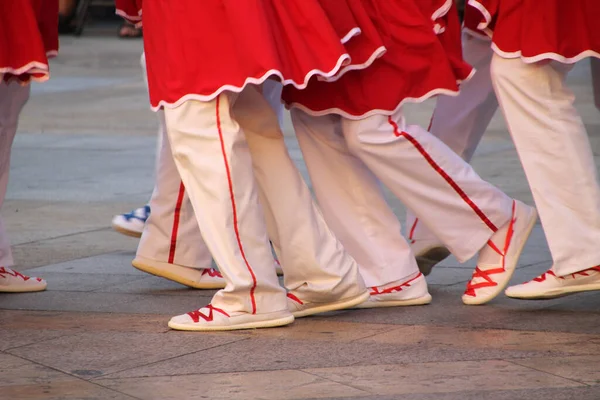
(176, 217)
(234, 209)
(443, 174)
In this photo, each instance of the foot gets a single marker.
(129, 31)
(12, 281)
(409, 292)
(210, 318)
(132, 224)
(204, 278)
(498, 259)
(428, 254)
(549, 285)
(301, 308)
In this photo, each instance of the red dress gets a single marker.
(28, 37)
(535, 30)
(198, 49)
(131, 10)
(423, 58)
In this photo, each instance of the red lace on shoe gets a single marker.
(196, 315)
(212, 273)
(479, 273)
(296, 299)
(542, 277)
(10, 272)
(395, 289)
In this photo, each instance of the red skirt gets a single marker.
(131, 10)
(28, 37)
(537, 30)
(198, 49)
(418, 63)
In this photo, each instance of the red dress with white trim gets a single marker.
(536, 30)
(28, 37)
(198, 49)
(131, 10)
(423, 58)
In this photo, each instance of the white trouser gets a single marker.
(460, 121)
(171, 234)
(216, 163)
(12, 99)
(213, 160)
(316, 266)
(443, 190)
(555, 151)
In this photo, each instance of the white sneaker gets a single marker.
(504, 247)
(411, 292)
(12, 281)
(549, 286)
(132, 223)
(210, 318)
(301, 308)
(204, 278)
(428, 254)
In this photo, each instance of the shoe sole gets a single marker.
(8, 289)
(430, 258)
(126, 232)
(173, 276)
(248, 325)
(335, 306)
(475, 301)
(419, 301)
(556, 293)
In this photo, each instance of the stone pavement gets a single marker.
(85, 151)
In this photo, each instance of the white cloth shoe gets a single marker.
(205, 278)
(12, 281)
(132, 223)
(301, 308)
(498, 259)
(548, 285)
(210, 318)
(409, 292)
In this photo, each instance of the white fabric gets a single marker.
(12, 99)
(352, 201)
(460, 121)
(556, 155)
(402, 159)
(171, 234)
(214, 162)
(316, 267)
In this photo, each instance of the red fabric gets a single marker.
(418, 63)
(537, 30)
(28, 37)
(197, 49)
(131, 10)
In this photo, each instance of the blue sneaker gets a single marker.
(132, 224)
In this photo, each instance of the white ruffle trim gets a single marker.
(254, 81)
(353, 67)
(136, 20)
(33, 67)
(546, 56)
(482, 26)
(338, 111)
